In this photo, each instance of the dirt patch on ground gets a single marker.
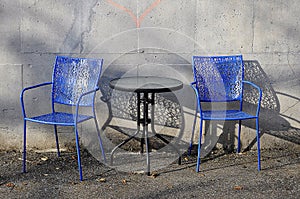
(222, 176)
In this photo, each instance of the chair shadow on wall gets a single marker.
(271, 121)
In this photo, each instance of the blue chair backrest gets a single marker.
(219, 78)
(74, 76)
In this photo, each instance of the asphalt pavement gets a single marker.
(222, 176)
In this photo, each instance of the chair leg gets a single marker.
(100, 140)
(56, 139)
(24, 148)
(78, 153)
(258, 144)
(193, 130)
(199, 146)
(239, 138)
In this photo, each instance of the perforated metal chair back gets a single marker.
(74, 76)
(219, 78)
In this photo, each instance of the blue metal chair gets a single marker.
(221, 79)
(74, 83)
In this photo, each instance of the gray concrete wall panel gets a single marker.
(139, 36)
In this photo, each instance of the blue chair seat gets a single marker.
(58, 118)
(226, 115)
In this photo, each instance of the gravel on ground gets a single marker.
(222, 176)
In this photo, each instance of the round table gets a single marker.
(146, 84)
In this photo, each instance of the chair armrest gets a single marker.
(198, 107)
(80, 98)
(36, 86)
(259, 95)
(28, 88)
(193, 85)
(86, 93)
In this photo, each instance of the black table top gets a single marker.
(146, 84)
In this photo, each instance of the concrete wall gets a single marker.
(129, 34)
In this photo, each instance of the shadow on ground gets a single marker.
(222, 175)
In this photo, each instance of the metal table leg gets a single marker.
(145, 129)
(138, 122)
(152, 101)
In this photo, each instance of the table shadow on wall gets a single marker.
(123, 106)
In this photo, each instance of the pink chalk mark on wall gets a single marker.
(136, 19)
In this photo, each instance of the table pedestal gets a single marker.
(144, 120)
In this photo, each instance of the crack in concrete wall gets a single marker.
(87, 21)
